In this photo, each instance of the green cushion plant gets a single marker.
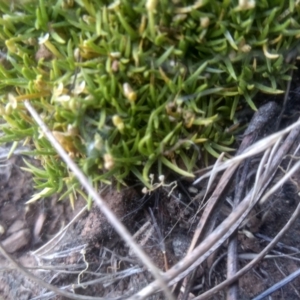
(134, 86)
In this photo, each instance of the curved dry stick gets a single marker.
(111, 217)
(212, 242)
(228, 226)
(206, 219)
(211, 204)
(255, 127)
(203, 251)
(249, 266)
(280, 285)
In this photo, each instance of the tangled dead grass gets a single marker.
(175, 281)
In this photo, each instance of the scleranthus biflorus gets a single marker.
(132, 87)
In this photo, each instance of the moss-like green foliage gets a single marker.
(130, 86)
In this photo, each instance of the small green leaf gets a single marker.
(176, 169)
(267, 90)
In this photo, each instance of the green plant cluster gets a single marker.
(132, 86)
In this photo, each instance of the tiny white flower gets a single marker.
(79, 88)
(115, 54)
(114, 4)
(129, 93)
(204, 21)
(44, 39)
(57, 91)
(13, 101)
(246, 4)
(63, 98)
(108, 161)
(77, 54)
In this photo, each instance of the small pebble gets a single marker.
(16, 226)
(16, 241)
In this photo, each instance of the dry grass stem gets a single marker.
(253, 150)
(41, 282)
(259, 257)
(225, 229)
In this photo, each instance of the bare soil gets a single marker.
(106, 253)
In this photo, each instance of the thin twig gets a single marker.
(255, 149)
(279, 245)
(232, 262)
(161, 241)
(261, 255)
(258, 123)
(214, 265)
(285, 100)
(228, 226)
(278, 285)
(284, 275)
